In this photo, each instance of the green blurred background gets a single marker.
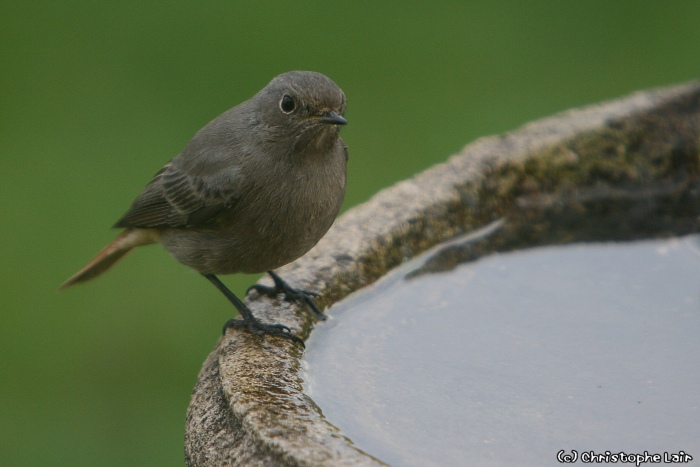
(96, 97)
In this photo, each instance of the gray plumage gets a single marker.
(255, 189)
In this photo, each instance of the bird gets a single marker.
(253, 190)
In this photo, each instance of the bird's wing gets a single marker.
(181, 198)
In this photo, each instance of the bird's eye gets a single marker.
(287, 104)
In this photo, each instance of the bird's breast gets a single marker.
(274, 221)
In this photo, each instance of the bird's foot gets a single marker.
(260, 329)
(290, 294)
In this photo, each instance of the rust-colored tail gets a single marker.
(120, 246)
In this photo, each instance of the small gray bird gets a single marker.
(255, 189)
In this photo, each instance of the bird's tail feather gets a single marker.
(120, 246)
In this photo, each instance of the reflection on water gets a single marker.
(511, 358)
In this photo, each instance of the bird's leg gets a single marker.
(249, 321)
(290, 293)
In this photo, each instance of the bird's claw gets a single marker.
(290, 294)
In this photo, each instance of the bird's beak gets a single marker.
(333, 118)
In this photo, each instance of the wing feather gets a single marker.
(175, 198)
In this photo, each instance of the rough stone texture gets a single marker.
(638, 156)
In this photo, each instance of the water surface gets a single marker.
(511, 358)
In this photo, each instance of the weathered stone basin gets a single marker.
(624, 170)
